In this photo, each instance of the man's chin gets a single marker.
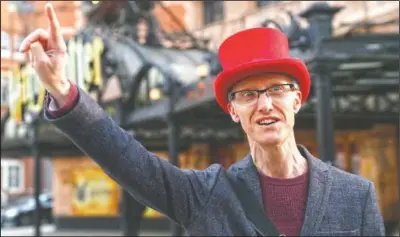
(270, 140)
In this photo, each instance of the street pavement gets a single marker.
(50, 230)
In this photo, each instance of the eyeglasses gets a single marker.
(248, 97)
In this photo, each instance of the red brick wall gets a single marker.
(69, 15)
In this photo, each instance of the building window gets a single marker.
(264, 3)
(12, 172)
(5, 41)
(213, 11)
(5, 78)
(20, 6)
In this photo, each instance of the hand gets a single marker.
(48, 55)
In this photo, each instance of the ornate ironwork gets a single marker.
(190, 133)
(361, 28)
(298, 37)
(385, 46)
(386, 105)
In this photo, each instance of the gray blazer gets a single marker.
(203, 202)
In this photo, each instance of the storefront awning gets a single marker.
(17, 139)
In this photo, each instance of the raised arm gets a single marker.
(152, 181)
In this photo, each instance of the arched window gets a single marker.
(150, 89)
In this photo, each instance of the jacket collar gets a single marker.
(320, 182)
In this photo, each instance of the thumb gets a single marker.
(39, 56)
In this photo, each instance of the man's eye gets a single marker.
(248, 93)
(276, 88)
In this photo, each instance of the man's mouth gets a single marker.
(266, 122)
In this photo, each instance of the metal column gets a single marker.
(124, 214)
(173, 140)
(324, 119)
(37, 177)
(132, 213)
(319, 16)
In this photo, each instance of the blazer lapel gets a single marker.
(248, 174)
(318, 193)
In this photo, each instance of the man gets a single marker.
(261, 88)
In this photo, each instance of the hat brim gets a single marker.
(289, 66)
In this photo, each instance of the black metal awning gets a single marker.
(134, 61)
(17, 140)
(364, 75)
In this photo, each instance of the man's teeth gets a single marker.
(266, 122)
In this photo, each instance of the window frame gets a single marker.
(264, 3)
(5, 77)
(6, 166)
(17, 40)
(212, 12)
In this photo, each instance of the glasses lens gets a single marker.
(279, 90)
(245, 97)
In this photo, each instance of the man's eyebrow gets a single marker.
(265, 87)
(245, 89)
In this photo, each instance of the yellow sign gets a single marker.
(94, 193)
(83, 68)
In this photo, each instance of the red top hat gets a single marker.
(255, 51)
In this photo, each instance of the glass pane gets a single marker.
(10, 177)
(213, 11)
(156, 78)
(4, 90)
(17, 176)
(13, 178)
(264, 3)
(184, 63)
(141, 98)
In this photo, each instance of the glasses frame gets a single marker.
(231, 96)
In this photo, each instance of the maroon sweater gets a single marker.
(284, 199)
(285, 202)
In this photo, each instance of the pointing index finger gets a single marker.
(54, 26)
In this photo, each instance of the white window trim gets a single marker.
(6, 164)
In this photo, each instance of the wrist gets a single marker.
(60, 92)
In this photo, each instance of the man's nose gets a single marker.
(264, 102)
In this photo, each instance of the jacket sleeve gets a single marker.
(372, 223)
(154, 182)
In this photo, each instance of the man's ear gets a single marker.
(233, 113)
(297, 102)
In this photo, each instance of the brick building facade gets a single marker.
(216, 20)
(17, 20)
